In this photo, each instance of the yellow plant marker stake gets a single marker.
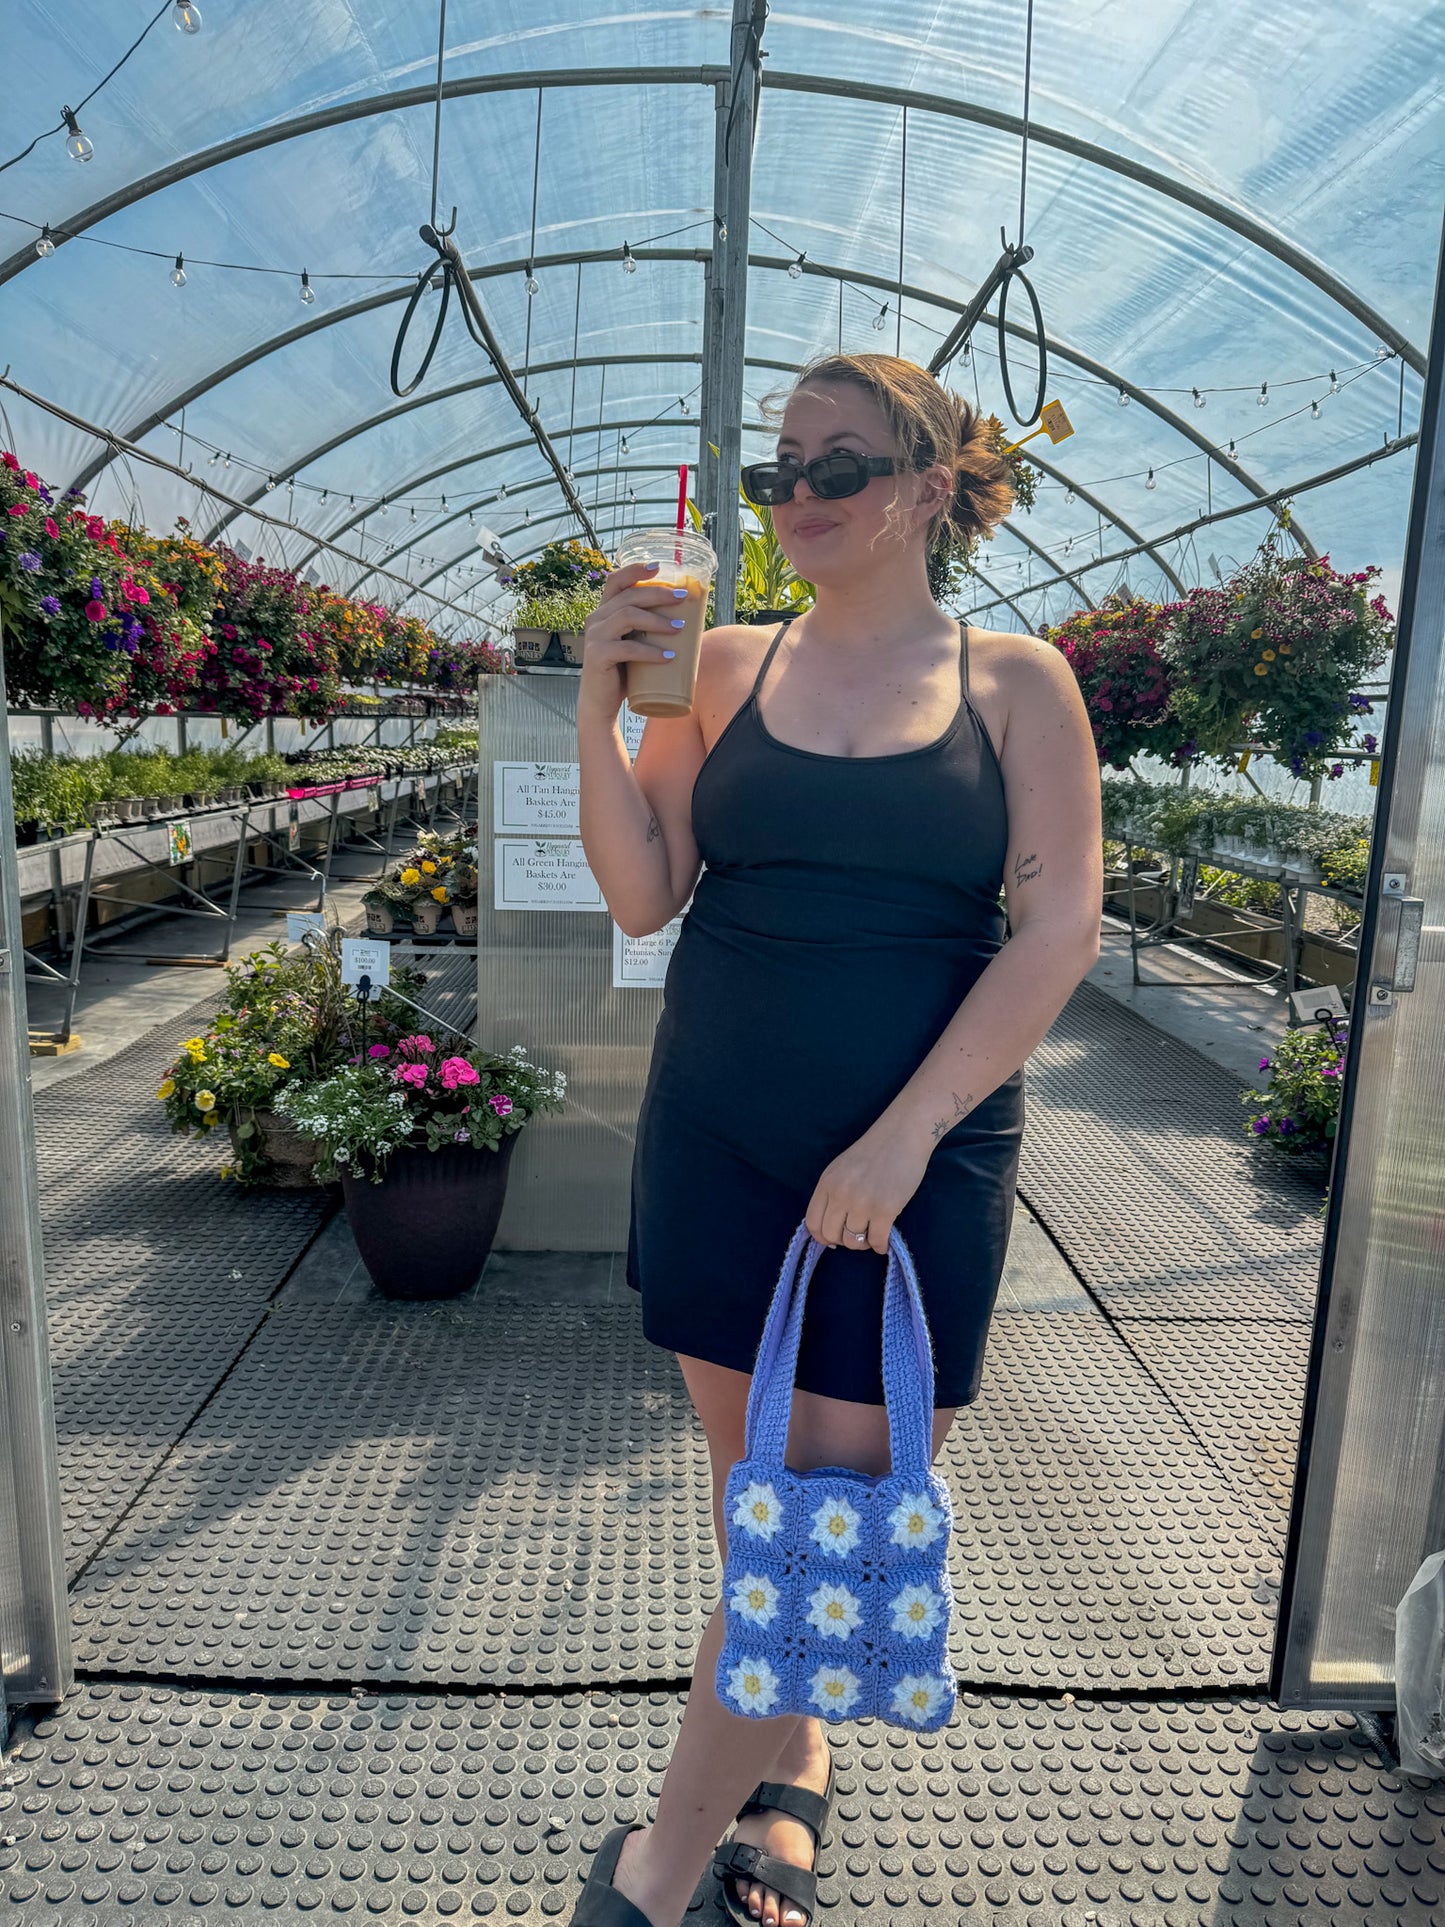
(1374, 772)
(1053, 422)
(1244, 761)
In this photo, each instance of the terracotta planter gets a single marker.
(465, 918)
(380, 920)
(426, 1230)
(426, 915)
(293, 1155)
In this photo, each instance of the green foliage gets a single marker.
(565, 610)
(1240, 892)
(1164, 817)
(1299, 1112)
(766, 578)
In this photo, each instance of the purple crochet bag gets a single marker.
(835, 1588)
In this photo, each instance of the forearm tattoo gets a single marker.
(1026, 868)
(654, 829)
(961, 1108)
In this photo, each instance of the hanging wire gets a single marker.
(576, 326)
(436, 139)
(902, 217)
(1024, 150)
(532, 246)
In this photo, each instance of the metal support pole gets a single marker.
(34, 1612)
(732, 209)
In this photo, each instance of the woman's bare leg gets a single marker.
(720, 1756)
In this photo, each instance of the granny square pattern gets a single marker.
(835, 1586)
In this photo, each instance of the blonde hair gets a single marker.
(931, 425)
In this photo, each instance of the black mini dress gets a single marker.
(847, 906)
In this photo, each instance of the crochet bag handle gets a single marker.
(907, 1359)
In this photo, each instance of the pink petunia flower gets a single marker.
(413, 1074)
(9, 460)
(414, 1044)
(378, 1050)
(456, 1071)
(50, 527)
(17, 508)
(96, 611)
(500, 1103)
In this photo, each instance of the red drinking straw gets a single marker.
(681, 508)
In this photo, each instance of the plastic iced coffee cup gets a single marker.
(686, 561)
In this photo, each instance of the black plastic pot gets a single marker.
(426, 1230)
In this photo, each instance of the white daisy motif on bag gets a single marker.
(916, 1611)
(758, 1511)
(755, 1598)
(919, 1697)
(835, 1526)
(916, 1520)
(834, 1689)
(754, 1685)
(834, 1610)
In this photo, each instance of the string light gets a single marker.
(227, 462)
(880, 319)
(270, 483)
(1069, 499)
(1231, 448)
(308, 293)
(629, 259)
(1334, 382)
(214, 453)
(532, 286)
(1151, 483)
(1314, 411)
(178, 272)
(624, 450)
(1199, 399)
(324, 493)
(795, 268)
(45, 245)
(1261, 400)
(78, 147)
(186, 17)
(1123, 399)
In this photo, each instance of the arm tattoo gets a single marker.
(961, 1108)
(1022, 872)
(653, 829)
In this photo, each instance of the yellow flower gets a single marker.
(208, 1123)
(411, 876)
(205, 1100)
(440, 893)
(1285, 647)
(1266, 655)
(1261, 669)
(167, 1088)
(281, 1063)
(429, 866)
(193, 1044)
(1255, 634)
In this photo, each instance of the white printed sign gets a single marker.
(632, 727)
(640, 963)
(362, 958)
(537, 873)
(541, 797)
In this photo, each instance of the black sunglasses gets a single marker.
(830, 477)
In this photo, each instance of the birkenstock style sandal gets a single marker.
(600, 1904)
(738, 1860)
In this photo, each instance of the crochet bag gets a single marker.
(835, 1588)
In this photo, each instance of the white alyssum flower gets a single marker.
(919, 1697)
(916, 1520)
(834, 1689)
(758, 1510)
(835, 1526)
(753, 1684)
(916, 1611)
(834, 1611)
(755, 1598)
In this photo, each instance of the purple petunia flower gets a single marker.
(1264, 1064)
(29, 560)
(50, 604)
(1260, 1126)
(1286, 1126)
(1329, 1070)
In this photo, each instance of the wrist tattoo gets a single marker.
(961, 1108)
(654, 830)
(1022, 872)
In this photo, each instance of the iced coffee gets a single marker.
(684, 561)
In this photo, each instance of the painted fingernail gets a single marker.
(679, 592)
(669, 653)
(679, 622)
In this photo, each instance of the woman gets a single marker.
(844, 1029)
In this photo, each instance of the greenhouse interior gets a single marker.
(408, 1402)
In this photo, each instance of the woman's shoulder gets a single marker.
(1021, 677)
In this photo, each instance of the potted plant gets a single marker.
(421, 1133)
(555, 595)
(1299, 1113)
(462, 888)
(383, 901)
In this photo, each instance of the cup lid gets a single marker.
(665, 545)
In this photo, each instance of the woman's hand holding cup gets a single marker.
(630, 602)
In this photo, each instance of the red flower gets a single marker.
(50, 528)
(17, 508)
(96, 611)
(9, 460)
(30, 481)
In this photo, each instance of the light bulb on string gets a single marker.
(324, 493)
(308, 293)
(45, 245)
(186, 17)
(880, 319)
(1382, 353)
(501, 491)
(1150, 482)
(795, 268)
(413, 511)
(214, 453)
(78, 147)
(178, 272)
(1231, 448)
(1069, 498)
(681, 406)
(531, 282)
(270, 483)
(1261, 400)
(1334, 382)
(1314, 411)
(624, 448)
(629, 259)
(1123, 399)
(1199, 400)
(227, 462)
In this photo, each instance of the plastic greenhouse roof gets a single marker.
(1218, 195)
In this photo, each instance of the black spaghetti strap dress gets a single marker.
(847, 906)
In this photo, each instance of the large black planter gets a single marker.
(426, 1230)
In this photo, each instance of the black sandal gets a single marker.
(600, 1904)
(737, 1859)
